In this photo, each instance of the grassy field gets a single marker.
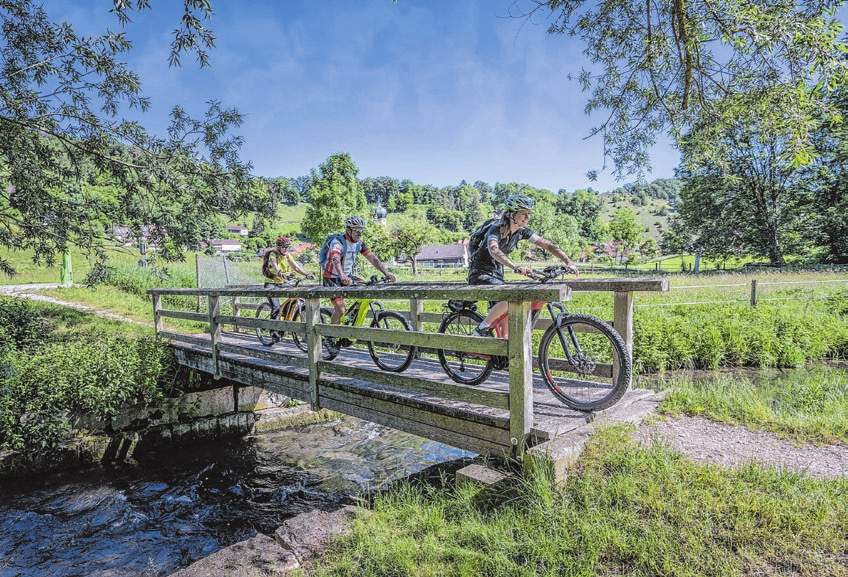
(625, 510)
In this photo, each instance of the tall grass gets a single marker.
(627, 510)
(806, 405)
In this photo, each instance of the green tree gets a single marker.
(753, 203)
(409, 235)
(657, 66)
(61, 103)
(335, 195)
(585, 206)
(625, 231)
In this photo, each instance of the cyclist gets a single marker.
(488, 262)
(275, 266)
(338, 268)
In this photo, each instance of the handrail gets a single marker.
(517, 347)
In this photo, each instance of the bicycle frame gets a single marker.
(357, 313)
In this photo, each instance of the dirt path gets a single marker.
(25, 291)
(707, 441)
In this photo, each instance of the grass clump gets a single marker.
(807, 406)
(627, 510)
(54, 360)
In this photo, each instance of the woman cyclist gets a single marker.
(275, 266)
(488, 262)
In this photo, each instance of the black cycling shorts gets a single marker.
(480, 278)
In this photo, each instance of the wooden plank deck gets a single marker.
(465, 424)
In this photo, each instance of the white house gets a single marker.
(237, 229)
(225, 246)
(443, 255)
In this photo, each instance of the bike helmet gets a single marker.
(283, 242)
(516, 202)
(355, 222)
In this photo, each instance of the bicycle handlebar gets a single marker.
(551, 272)
(374, 280)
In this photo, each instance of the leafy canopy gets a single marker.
(656, 65)
(62, 131)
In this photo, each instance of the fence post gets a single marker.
(197, 274)
(623, 324)
(520, 376)
(226, 270)
(754, 292)
(214, 332)
(416, 307)
(312, 317)
(157, 319)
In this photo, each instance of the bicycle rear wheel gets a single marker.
(586, 366)
(266, 336)
(388, 356)
(299, 338)
(464, 368)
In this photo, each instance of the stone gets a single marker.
(308, 534)
(258, 556)
(478, 475)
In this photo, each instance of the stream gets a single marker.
(158, 516)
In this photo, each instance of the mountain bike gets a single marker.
(387, 356)
(583, 360)
(290, 309)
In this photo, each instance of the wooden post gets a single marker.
(520, 376)
(226, 270)
(416, 307)
(157, 320)
(623, 323)
(312, 317)
(197, 275)
(214, 332)
(754, 292)
(236, 312)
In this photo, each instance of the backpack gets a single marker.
(267, 271)
(325, 249)
(475, 241)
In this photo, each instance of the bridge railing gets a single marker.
(508, 434)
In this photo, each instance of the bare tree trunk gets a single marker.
(414, 266)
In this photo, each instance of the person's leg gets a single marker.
(339, 310)
(497, 315)
(496, 311)
(275, 301)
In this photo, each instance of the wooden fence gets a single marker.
(480, 420)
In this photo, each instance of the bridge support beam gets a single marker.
(312, 317)
(215, 331)
(520, 376)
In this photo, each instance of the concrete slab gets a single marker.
(479, 475)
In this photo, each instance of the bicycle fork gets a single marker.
(579, 359)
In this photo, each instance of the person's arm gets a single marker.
(375, 262)
(295, 265)
(275, 266)
(550, 247)
(496, 253)
(336, 262)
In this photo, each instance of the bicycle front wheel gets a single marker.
(463, 368)
(327, 354)
(266, 336)
(585, 364)
(388, 356)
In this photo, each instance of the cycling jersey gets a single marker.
(482, 262)
(346, 250)
(268, 264)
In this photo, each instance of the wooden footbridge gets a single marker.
(512, 411)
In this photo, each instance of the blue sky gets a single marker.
(432, 90)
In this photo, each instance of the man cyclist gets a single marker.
(488, 262)
(338, 269)
(275, 266)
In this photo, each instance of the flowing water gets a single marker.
(170, 510)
